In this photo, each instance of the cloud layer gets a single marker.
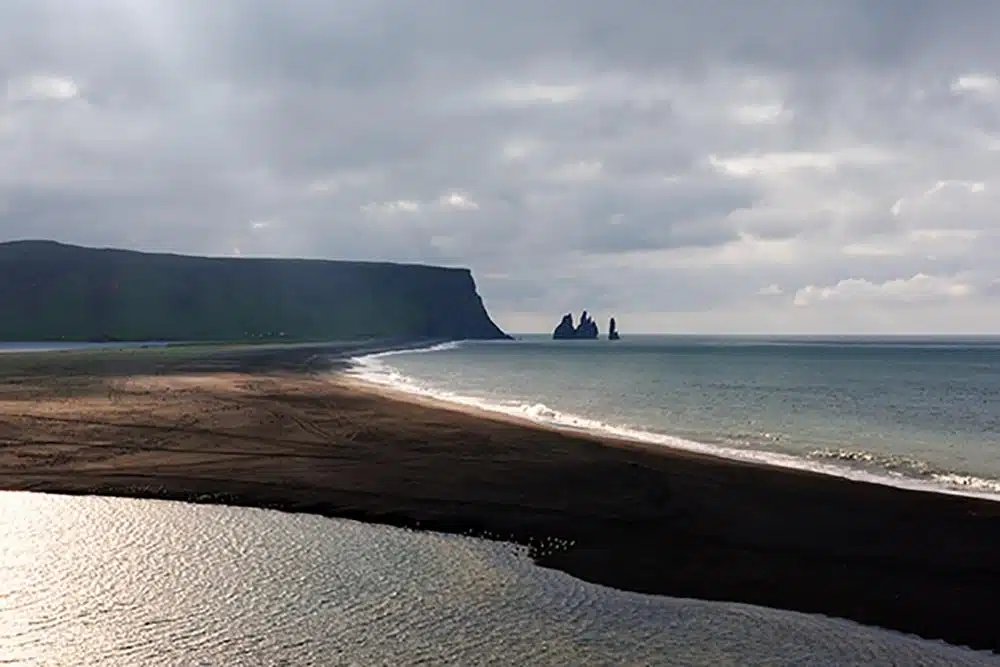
(765, 167)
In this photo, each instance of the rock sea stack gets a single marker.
(585, 330)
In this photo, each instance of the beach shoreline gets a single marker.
(267, 432)
(648, 440)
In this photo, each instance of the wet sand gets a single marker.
(256, 428)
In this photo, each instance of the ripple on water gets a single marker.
(96, 581)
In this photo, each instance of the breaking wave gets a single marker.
(859, 465)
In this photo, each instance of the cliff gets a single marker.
(51, 291)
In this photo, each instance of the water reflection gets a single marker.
(97, 581)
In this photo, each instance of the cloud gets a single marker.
(690, 169)
(755, 114)
(782, 163)
(391, 208)
(38, 87)
(982, 84)
(970, 187)
(457, 201)
(917, 288)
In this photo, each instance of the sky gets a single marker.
(712, 167)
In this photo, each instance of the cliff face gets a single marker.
(54, 291)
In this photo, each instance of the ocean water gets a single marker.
(911, 412)
(112, 582)
(55, 346)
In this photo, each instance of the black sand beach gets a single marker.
(258, 427)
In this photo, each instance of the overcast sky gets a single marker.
(768, 166)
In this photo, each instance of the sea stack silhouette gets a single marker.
(613, 330)
(586, 330)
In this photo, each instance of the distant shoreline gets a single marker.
(236, 350)
(255, 428)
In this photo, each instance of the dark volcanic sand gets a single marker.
(247, 428)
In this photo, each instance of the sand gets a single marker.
(259, 429)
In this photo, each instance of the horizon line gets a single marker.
(787, 335)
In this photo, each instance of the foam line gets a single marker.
(374, 370)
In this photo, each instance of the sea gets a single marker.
(62, 346)
(914, 412)
(116, 582)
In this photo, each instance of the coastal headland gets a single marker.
(57, 292)
(278, 427)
